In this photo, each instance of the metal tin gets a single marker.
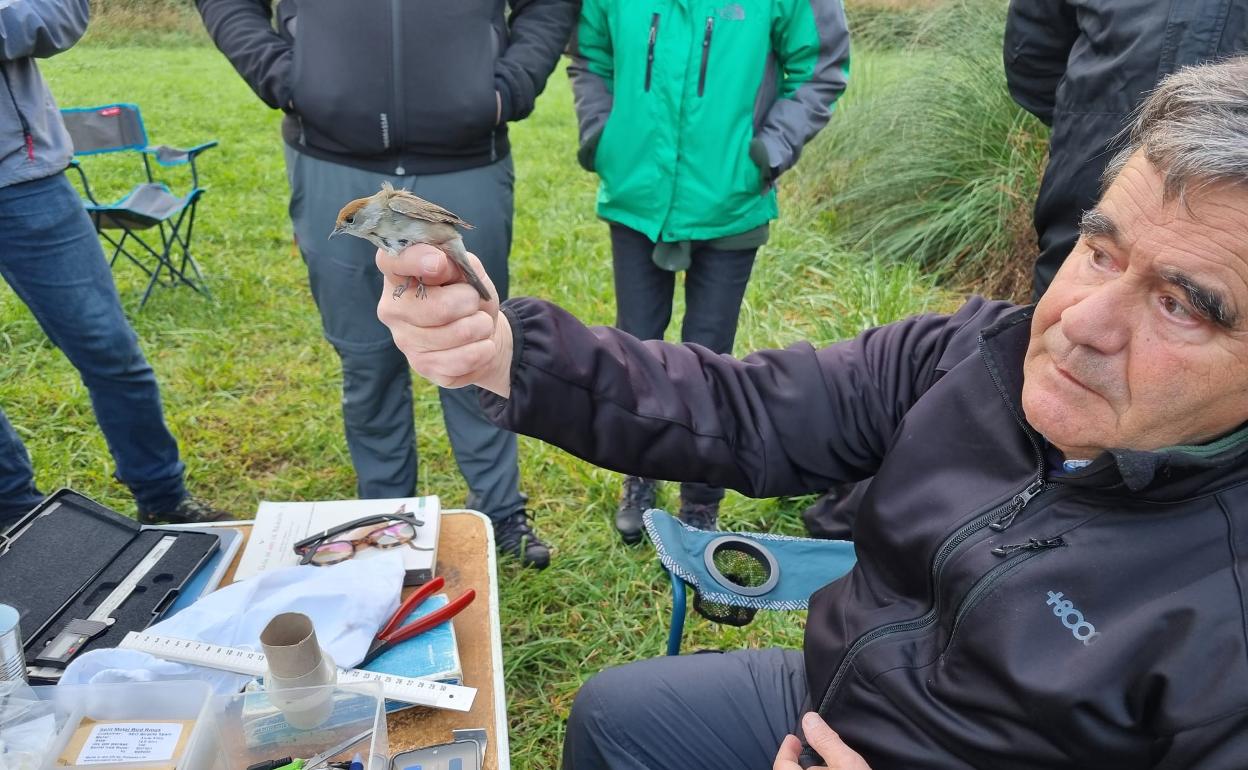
(12, 659)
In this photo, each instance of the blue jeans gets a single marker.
(51, 257)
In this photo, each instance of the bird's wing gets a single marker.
(410, 205)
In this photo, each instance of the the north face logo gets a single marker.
(732, 12)
(1072, 618)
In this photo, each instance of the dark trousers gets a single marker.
(714, 287)
(690, 712)
(51, 256)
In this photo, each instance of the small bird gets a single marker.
(395, 219)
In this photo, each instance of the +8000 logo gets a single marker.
(1072, 618)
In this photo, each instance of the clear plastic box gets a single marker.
(251, 727)
(178, 710)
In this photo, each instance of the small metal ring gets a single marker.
(748, 547)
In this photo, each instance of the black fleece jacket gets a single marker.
(395, 86)
(999, 616)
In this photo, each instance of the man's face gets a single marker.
(1141, 342)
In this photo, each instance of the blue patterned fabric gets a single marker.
(805, 564)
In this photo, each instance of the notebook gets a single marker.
(209, 576)
(279, 525)
(432, 655)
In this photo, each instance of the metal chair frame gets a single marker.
(174, 255)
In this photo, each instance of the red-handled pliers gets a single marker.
(391, 634)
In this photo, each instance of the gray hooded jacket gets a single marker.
(33, 140)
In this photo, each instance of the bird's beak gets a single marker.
(337, 230)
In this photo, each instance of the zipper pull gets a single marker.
(1032, 544)
(1018, 504)
(30, 145)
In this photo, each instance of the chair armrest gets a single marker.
(174, 156)
(82, 174)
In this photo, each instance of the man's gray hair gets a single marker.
(1193, 128)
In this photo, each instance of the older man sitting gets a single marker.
(1053, 557)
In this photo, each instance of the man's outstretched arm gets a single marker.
(774, 423)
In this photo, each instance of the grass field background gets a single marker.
(251, 389)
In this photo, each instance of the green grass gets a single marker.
(252, 390)
(936, 163)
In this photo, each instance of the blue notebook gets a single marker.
(209, 576)
(432, 655)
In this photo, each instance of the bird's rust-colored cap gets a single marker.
(350, 210)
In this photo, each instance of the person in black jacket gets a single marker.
(1053, 555)
(418, 95)
(1082, 67)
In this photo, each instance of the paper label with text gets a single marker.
(131, 742)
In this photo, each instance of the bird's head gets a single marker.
(359, 217)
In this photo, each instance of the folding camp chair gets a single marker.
(734, 574)
(119, 128)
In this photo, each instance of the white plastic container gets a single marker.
(113, 707)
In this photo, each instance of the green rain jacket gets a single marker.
(689, 109)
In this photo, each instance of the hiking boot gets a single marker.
(514, 536)
(636, 498)
(191, 510)
(700, 515)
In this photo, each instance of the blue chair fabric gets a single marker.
(731, 571)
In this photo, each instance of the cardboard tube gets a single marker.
(298, 671)
(289, 643)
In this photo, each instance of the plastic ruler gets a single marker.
(126, 587)
(421, 692)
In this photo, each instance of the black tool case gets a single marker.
(63, 559)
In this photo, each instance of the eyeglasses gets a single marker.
(387, 530)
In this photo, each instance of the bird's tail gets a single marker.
(455, 250)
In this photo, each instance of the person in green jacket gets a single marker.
(689, 111)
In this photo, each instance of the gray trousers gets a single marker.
(376, 380)
(690, 712)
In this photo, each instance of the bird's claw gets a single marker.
(398, 290)
(421, 291)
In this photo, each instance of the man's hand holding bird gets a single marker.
(452, 337)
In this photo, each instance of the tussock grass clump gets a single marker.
(887, 23)
(145, 22)
(932, 162)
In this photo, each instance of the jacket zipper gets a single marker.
(497, 50)
(1037, 486)
(396, 50)
(28, 138)
(706, 53)
(654, 34)
(1004, 513)
(1015, 556)
(938, 565)
(1022, 498)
